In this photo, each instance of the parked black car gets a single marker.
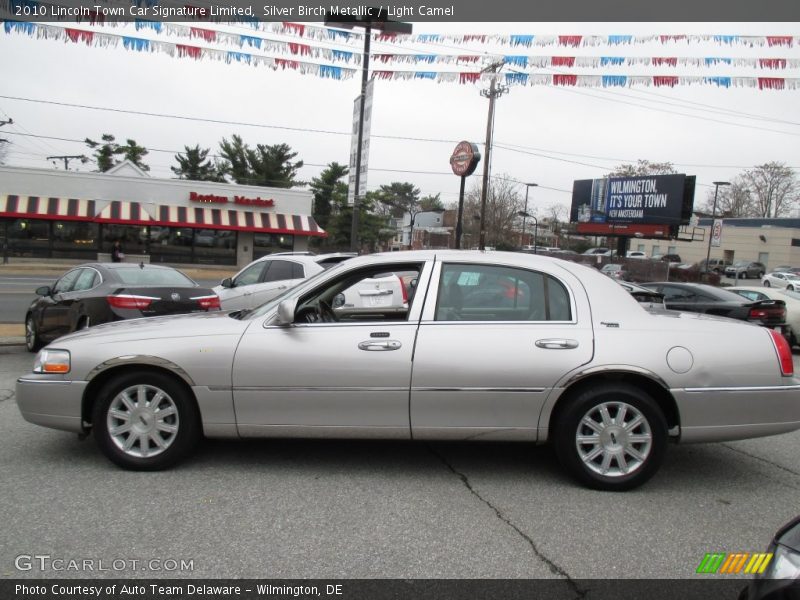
(96, 293)
(707, 299)
(781, 579)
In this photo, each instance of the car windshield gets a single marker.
(136, 275)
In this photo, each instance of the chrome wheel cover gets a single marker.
(613, 439)
(30, 333)
(142, 421)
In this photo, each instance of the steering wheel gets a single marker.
(326, 313)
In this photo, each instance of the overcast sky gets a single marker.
(559, 134)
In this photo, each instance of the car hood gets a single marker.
(152, 328)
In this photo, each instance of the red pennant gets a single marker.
(190, 51)
(76, 35)
(468, 77)
(771, 83)
(665, 80)
(383, 74)
(672, 62)
(207, 34)
(301, 49)
(671, 38)
(779, 40)
(287, 64)
(772, 63)
(570, 40)
(298, 28)
(562, 61)
(565, 80)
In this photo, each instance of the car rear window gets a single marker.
(145, 276)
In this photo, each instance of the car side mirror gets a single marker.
(286, 311)
(413, 283)
(44, 291)
(227, 282)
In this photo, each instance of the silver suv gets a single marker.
(746, 269)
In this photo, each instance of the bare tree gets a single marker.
(642, 168)
(773, 188)
(733, 201)
(503, 203)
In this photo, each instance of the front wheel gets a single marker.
(767, 284)
(32, 341)
(611, 437)
(145, 421)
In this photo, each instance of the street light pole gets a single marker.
(528, 186)
(717, 185)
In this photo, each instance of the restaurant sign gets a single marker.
(242, 200)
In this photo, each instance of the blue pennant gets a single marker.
(520, 61)
(515, 78)
(144, 24)
(611, 60)
(522, 40)
(425, 75)
(620, 39)
(330, 71)
(719, 81)
(615, 80)
(726, 39)
(20, 27)
(138, 44)
(342, 55)
(250, 41)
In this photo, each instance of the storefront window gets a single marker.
(75, 239)
(132, 237)
(28, 238)
(171, 244)
(269, 243)
(215, 246)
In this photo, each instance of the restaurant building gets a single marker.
(49, 214)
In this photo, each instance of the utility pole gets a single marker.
(66, 159)
(494, 91)
(374, 19)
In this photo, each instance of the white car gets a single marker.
(790, 281)
(270, 275)
(792, 300)
(388, 292)
(635, 254)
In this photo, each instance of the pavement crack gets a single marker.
(6, 395)
(554, 568)
(769, 462)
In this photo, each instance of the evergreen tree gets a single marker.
(196, 165)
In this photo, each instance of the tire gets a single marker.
(120, 402)
(586, 452)
(32, 341)
(789, 287)
(82, 323)
(767, 284)
(761, 274)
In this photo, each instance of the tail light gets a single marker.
(784, 353)
(208, 302)
(768, 313)
(130, 301)
(405, 291)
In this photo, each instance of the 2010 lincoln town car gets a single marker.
(487, 346)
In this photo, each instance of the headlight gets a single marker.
(785, 564)
(52, 361)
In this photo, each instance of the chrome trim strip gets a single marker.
(770, 388)
(50, 381)
(317, 389)
(139, 359)
(477, 389)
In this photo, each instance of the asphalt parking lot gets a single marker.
(351, 509)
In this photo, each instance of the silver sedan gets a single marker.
(489, 346)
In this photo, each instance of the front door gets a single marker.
(336, 371)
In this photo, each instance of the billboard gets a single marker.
(651, 205)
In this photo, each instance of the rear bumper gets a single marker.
(720, 414)
(51, 403)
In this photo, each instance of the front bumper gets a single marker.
(51, 403)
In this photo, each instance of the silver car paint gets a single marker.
(732, 389)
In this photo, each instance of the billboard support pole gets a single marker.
(711, 228)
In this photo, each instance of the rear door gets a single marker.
(279, 276)
(492, 343)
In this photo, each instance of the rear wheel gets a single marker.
(789, 287)
(611, 437)
(767, 284)
(145, 421)
(32, 341)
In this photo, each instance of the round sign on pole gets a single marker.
(464, 159)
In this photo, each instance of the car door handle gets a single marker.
(557, 344)
(379, 345)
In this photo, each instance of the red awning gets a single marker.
(239, 220)
(41, 207)
(124, 213)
